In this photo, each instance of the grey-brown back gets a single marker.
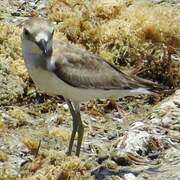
(82, 69)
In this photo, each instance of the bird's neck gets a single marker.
(33, 55)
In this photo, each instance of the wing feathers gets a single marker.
(82, 69)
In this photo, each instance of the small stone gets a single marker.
(110, 164)
(130, 176)
(65, 106)
(177, 101)
(112, 135)
(177, 93)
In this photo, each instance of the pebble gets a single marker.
(112, 135)
(65, 106)
(130, 176)
(110, 164)
(177, 101)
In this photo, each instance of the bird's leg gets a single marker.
(80, 128)
(75, 126)
(80, 137)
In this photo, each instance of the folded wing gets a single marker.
(82, 69)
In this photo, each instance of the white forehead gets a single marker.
(40, 36)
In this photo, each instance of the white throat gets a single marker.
(41, 35)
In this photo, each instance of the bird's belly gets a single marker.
(48, 82)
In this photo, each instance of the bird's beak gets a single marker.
(43, 46)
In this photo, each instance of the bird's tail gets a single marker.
(152, 86)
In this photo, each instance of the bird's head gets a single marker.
(37, 36)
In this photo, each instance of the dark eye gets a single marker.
(26, 32)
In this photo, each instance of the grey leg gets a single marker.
(80, 128)
(75, 126)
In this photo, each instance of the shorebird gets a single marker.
(59, 68)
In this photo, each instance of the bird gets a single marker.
(61, 68)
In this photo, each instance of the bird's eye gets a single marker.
(26, 32)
